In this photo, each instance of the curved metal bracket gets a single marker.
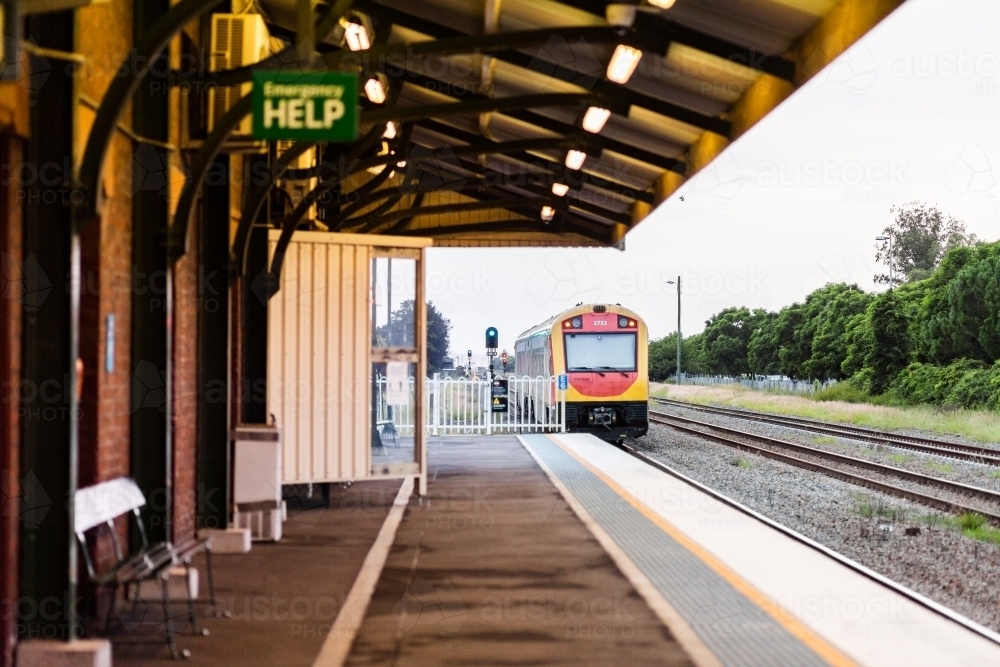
(242, 238)
(124, 84)
(292, 221)
(177, 236)
(255, 198)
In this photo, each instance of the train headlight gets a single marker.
(622, 322)
(577, 323)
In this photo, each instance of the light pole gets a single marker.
(889, 239)
(678, 283)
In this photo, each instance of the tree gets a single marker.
(402, 327)
(762, 350)
(726, 338)
(858, 344)
(829, 343)
(890, 350)
(938, 342)
(663, 356)
(920, 236)
(974, 310)
(790, 359)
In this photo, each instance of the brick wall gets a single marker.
(106, 262)
(187, 300)
(188, 290)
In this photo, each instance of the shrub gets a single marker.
(974, 390)
(842, 391)
(965, 383)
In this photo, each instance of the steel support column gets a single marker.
(149, 423)
(46, 537)
(213, 352)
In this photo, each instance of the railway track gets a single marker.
(955, 450)
(765, 446)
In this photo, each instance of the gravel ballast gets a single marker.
(866, 526)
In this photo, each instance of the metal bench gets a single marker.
(99, 505)
(388, 428)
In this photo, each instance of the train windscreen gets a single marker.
(600, 352)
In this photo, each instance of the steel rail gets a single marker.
(813, 544)
(915, 496)
(945, 448)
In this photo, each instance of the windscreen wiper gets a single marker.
(591, 370)
(610, 368)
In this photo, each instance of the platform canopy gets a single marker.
(576, 118)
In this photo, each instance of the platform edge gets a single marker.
(337, 645)
(699, 653)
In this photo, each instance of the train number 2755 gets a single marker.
(600, 323)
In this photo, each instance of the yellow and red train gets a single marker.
(603, 350)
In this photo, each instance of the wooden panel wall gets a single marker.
(318, 368)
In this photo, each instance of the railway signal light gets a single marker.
(492, 338)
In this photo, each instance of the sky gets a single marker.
(910, 113)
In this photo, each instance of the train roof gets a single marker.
(575, 310)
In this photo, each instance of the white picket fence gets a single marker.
(765, 383)
(461, 406)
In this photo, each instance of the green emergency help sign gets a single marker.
(317, 106)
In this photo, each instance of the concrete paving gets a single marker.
(495, 569)
(283, 597)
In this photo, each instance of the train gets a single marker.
(602, 348)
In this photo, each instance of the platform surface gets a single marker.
(736, 580)
(282, 597)
(494, 568)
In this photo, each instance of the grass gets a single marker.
(976, 527)
(971, 525)
(980, 426)
(742, 462)
(995, 474)
(939, 467)
(825, 440)
(871, 508)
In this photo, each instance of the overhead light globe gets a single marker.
(375, 91)
(595, 118)
(560, 189)
(356, 36)
(623, 63)
(575, 159)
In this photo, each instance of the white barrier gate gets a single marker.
(461, 406)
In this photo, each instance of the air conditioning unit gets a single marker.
(237, 40)
(297, 190)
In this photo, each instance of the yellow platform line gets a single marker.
(795, 627)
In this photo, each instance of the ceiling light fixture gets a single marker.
(623, 63)
(390, 131)
(595, 118)
(560, 189)
(375, 91)
(548, 213)
(575, 159)
(356, 37)
(662, 4)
